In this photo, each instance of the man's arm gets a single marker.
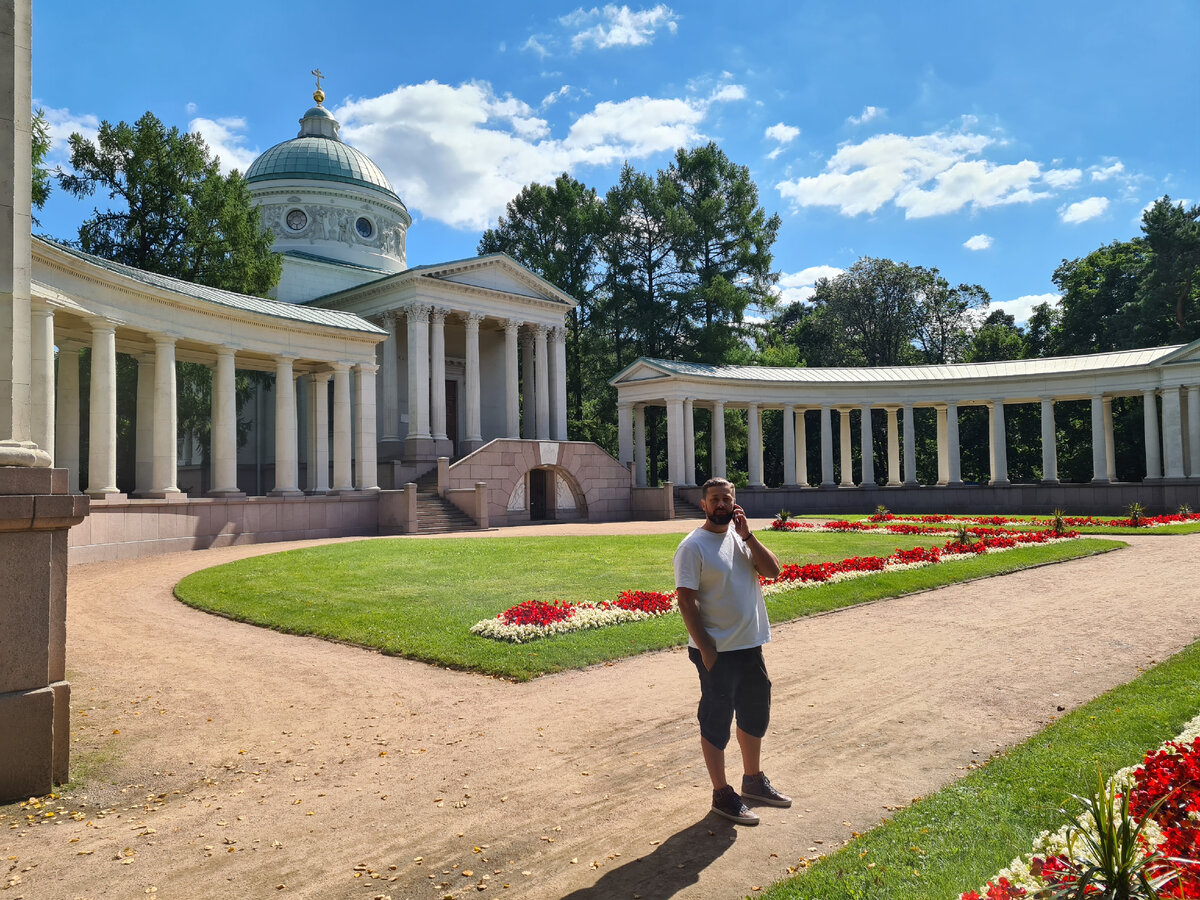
(765, 562)
(689, 608)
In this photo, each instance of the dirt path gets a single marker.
(229, 762)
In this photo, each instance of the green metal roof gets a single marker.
(319, 159)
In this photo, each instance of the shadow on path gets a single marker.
(674, 865)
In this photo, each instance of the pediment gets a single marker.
(639, 370)
(1186, 353)
(498, 272)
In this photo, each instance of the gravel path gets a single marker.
(227, 761)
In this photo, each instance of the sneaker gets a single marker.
(727, 803)
(757, 787)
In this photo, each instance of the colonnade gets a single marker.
(1172, 451)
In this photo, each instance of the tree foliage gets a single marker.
(40, 135)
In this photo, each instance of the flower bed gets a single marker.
(1071, 521)
(1173, 832)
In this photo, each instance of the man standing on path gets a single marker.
(721, 601)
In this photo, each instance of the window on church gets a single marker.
(364, 227)
(296, 220)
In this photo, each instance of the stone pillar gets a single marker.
(342, 429)
(910, 447)
(286, 443)
(999, 446)
(1049, 443)
(639, 445)
(102, 413)
(675, 441)
(826, 448)
(541, 390)
(1193, 410)
(559, 357)
(418, 445)
(1099, 454)
(223, 453)
(366, 471)
(845, 447)
(952, 445)
(1150, 431)
(389, 408)
(437, 376)
(1172, 433)
(143, 482)
(717, 449)
(474, 438)
(754, 448)
(66, 414)
(528, 403)
(689, 442)
(1110, 446)
(512, 380)
(317, 481)
(893, 435)
(41, 416)
(801, 450)
(867, 440)
(789, 445)
(943, 446)
(624, 433)
(166, 448)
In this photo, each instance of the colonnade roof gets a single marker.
(277, 309)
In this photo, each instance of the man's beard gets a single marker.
(720, 518)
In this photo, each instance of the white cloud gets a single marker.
(1104, 173)
(978, 242)
(727, 93)
(798, 287)
(226, 140)
(1062, 178)
(868, 113)
(783, 134)
(191, 108)
(63, 123)
(460, 153)
(554, 96)
(534, 45)
(618, 26)
(1084, 210)
(1022, 307)
(925, 175)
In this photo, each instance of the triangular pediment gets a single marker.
(640, 370)
(1186, 353)
(496, 272)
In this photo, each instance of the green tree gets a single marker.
(1099, 310)
(945, 317)
(1169, 293)
(998, 338)
(40, 132)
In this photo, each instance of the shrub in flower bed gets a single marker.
(1155, 807)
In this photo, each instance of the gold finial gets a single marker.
(318, 94)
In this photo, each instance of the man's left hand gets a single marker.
(741, 526)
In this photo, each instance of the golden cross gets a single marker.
(317, 72)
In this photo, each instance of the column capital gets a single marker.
(718, 403)
(437, 315)
(226, 350)
(418, 312)
(285, 357)
(511, 326)
(320, 376)
(162, 337)
(472, 319)
(367, 368)
(340, 366)
(102, 326)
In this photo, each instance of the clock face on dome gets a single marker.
(363, 227)
(296, 220)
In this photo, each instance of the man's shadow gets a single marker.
(674, 865)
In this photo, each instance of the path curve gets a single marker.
(232, 761)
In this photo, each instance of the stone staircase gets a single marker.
(686, 510)
(435, 515)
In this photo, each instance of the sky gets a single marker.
(991, 141)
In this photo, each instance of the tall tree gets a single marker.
(1169, 293)
(945, 317)
(40, 132)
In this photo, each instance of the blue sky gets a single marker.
(988, 140)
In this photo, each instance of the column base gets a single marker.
(286, 492)
(465, 447)
(1100, 481)
(226, 493)
(1004, 483)
(27, 743)
(419, 449)
(389, 448)
(106, 496)
(443, 446)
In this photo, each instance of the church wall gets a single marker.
(303, 279)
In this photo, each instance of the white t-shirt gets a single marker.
(720, 569)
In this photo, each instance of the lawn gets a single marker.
(419, 598)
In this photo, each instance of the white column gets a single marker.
(639, 445)
(418, 372)
(366, 454)
(41, 414)
(559, 358)
(1172, 433)
(689, 442)
(1110, 446)
(143, 449)
(471, 376)
(826, 448)
(999, 445)
(789, 445)
(943, 446)
(66, 414)
(285, 429)
(437, 373)
(754, 444)
(952, 444)
(893, 435)
(1099, 454)
(223, 452)
(541, 390)
(166, 448)
(867, 440)
(675, 441)
(1049, 442)
(1150, 430)
(1193, 409)
(910, 447)
(801, 450)
(528, 402)
(845, 447)
(624, 433)
(318, 433)
(512, 381)
(342, 430)
(717, 449)
(102, 412)
(390, 387)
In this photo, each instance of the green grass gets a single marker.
(419, 598)
(961, 836)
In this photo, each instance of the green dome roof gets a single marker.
(319, 159)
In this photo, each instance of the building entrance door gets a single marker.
(452, 415)
(539, 490)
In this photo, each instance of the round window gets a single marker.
(364, 227)
(296, 220)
